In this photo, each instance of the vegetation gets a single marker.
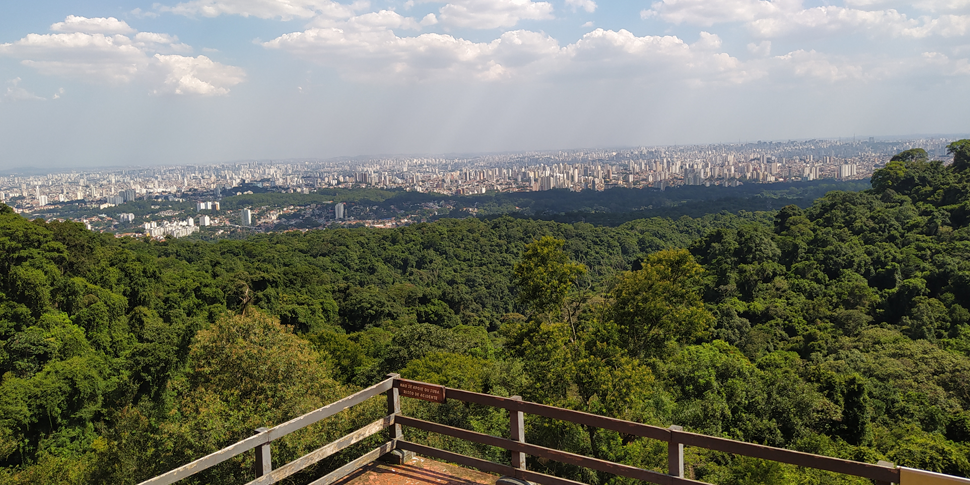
(841, 329)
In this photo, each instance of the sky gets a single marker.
(117, 83)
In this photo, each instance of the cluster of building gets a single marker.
(207, 205)
(174, 229)
(722, 164)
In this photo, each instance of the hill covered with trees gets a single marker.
(841, 328)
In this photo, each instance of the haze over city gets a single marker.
(124, 83)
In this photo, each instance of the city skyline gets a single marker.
(130, 83)
(103, 199)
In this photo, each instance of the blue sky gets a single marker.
(86, 83)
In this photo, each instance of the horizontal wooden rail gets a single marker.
(875, 472)
(356, 464)
(269, 435)
(578, 417)
(484, 465)
(549, 453)
(910, 476)
(799, 458)
(324, 451)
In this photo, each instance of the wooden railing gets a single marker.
(395, 387)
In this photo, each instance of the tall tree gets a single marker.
(659, 303)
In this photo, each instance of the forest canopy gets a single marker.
(842, 329)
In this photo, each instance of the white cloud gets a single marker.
(829, 19)
(661, 59)
(885, 23)
(924, 5)
(944, 26)
(99, 25)
(787, 18)
(521, 49)
(382, 20)
(812, 64)
(943, 64)
(382, 56)
(87, 56)
(588, 25)
(17, 93)
(942, 5)
(707, 41)
(706, 13)
(119, 59)
(265, 9)
(139, 13)
(491, 14)
(587, 5)
(195, 75)
(378, 55)
(762, 48)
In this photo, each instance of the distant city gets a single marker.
(71, 195)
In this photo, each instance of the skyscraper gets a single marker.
(247, 217)
(339, 211)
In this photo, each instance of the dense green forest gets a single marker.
(841, 328)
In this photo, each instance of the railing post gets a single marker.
(675, 453)
(264, 462)
(517, 432)
(517, 428)
(394, 407)
(397, 457)
(887, 464)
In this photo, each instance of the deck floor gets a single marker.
(418, 471)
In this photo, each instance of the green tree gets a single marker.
(659, 304)
(961, 154)
(545, 275)
(247, 372)
(911, 155)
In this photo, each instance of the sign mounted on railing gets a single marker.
(421, 390)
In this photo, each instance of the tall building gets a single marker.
(339, 210)
(247, 217)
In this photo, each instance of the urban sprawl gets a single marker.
(59, 195)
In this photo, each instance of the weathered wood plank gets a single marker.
(579, 417)
(483, 465)
(353, 466)
(543, 452)
(911, 476)
(675, 455)
(865, 470)
(324, 451)
(264, 457)
(269, 435)
(394, 405)
(837, 465)
(517, 433)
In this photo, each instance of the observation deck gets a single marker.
(407, 469)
